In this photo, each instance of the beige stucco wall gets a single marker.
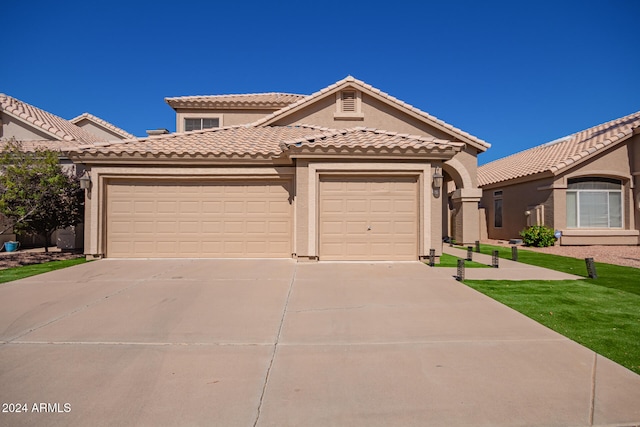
(20, 131)
(516, 200)
(619, 162)
(97, 130)
(376, 115)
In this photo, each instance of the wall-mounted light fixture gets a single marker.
(437, 182)
(85, 181)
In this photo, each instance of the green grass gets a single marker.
(15, 273)
(447, 260)
(602, 314)
(611, 276)
(603, 319)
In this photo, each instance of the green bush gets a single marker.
(538, 236)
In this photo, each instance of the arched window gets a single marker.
(594, 203)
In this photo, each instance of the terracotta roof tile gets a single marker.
(349, 79)
(266, 142)
(560, 154)
(368, 138)
(253, 100)
(121, 132)
(231, 141)
(51, 124)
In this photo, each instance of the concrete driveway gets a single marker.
(275, 343)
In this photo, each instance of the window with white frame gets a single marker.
(200, 123)
(594, 203)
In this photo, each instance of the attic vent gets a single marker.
(349, 101)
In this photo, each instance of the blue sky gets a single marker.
(516, 74)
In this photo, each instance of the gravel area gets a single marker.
(34, 256)
(619, 255)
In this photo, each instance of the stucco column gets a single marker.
(302, 206)
(467, 224)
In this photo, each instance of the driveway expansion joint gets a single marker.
(275, 345)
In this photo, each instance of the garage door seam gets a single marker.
(275, 346)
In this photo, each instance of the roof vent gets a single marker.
(155, 132)
(349, 101)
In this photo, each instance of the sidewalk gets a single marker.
(508, 270)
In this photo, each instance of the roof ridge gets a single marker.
(233, 94)
(402, 104)
(47, 122)
(104, 123)
(561, 153)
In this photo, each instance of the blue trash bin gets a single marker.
(11, 246)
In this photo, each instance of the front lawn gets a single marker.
(15, 273)
(447, 260)
(602, 314)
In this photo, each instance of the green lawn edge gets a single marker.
(449, 261)
(17, 273)
(603, 319)
(602, 314)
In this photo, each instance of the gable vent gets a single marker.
(349, 102)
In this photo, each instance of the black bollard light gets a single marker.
(494, 259)
(514, 253)
(460, 276)
(469, 253)
(591, 268)
(432, 257)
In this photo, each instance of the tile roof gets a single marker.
(249, 100)
(120, 132)
(57, 127)
(266, 142)
(560, 154)
(368, 138)
(349, 80)
(230, 141)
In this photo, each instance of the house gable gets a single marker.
(370, 108)
(102, 128)
(23, 131)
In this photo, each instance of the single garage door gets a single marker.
(250, 219)
(368, 218)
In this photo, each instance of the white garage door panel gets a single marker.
(368, 218)
(202, 220)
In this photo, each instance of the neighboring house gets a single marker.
(34, 128)
(101, 128)
(347, 173)
(584, 185)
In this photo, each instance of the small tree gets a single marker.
(36, 195)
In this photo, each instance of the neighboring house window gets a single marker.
(497, 209)
(594, 203)
(197, 124)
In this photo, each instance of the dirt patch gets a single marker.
(16, 259)
(619, 255)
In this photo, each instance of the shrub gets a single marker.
(538, 236)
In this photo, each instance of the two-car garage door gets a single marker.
(199, 219)
(359, 218)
